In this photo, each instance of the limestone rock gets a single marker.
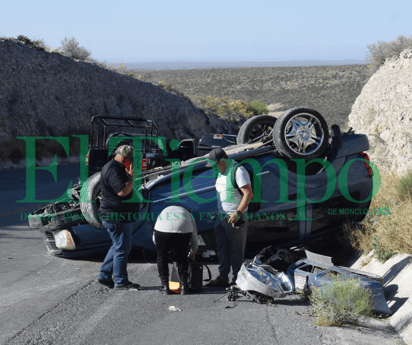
(383, 111)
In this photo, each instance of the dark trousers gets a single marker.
(231, 243)
(179, 244)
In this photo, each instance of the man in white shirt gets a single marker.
(231, 225)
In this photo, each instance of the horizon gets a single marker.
(224, 30)
(177, 65)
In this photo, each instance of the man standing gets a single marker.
(118, 217)
(231, 225)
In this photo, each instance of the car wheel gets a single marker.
(256, 129)
(301, 133)
(90, 210)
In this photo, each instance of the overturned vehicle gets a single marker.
(307, 181)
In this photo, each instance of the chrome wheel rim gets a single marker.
(304, 134)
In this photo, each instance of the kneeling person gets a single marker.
(174, 230)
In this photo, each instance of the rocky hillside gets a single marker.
(383, 111)
(47, 94)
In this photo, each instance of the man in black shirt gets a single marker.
(118, 217)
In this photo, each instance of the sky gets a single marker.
(159, 30)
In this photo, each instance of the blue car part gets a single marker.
(317, 271)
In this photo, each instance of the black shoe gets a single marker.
(184, 290)
(107, 283)
(233, 282)
(220, 281)
(165, 287)
(127, 286)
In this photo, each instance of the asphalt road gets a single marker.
(49, 300)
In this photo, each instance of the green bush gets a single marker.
(379, 52)
(340, 301)
(230, 109)
(257, 108)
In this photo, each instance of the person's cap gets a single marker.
(125, 151)
(216, 155)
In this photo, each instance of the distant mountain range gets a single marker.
(171, 65)
(215, 56)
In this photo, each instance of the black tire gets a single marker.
(336, 142)
(90, 210)
(256, 129)
(337, 134)
(310, 142)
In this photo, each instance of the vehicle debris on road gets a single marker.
(262, 282)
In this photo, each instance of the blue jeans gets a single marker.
(231, 243)
(115, 262)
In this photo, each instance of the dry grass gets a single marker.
(386, 233)
(331, 90)
(340, 301)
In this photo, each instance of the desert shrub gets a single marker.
(340, 301)
(165, 86)
(381, 252)
(386, 228)
(379, 52)
(25, 40)
(404, 186)
(257, 108)
(171, 89)
(229, 109)
(41, 44)
(122, 69)
(71, 48)
(358, 236)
